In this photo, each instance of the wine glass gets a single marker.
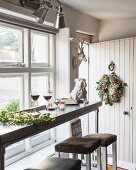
(47, 98)
(35, 96)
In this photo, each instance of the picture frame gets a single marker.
(76, 128)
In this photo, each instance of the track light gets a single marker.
(60, 21)
(42, 11)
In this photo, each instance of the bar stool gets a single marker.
(106, 140)
(53, 163)
(81, 146)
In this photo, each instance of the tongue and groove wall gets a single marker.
(112, 119)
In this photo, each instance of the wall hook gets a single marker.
(111, 66)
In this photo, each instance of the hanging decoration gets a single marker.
(110, 87)
(80, 56)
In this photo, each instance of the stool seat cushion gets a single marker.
(53, 163)
(106, 139)
(78, 145)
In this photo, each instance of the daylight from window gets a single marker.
(10, 44)
(25, 87)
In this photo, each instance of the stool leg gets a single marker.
(104, 159)
(58, 153)
(88, 162)
(99, 158)
(114, 156)
(75, 156)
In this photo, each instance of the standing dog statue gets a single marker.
(79, 93)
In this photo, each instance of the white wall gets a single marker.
(116, 29)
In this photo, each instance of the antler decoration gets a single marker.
(76, 61)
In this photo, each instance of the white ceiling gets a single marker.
(105, 9)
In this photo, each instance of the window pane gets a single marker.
(40, 138)
(15, 149)
(39, 86)
(39, 47)
(10, 44)
(10, 93)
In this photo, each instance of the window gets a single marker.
(39, 48)
(21, 73)
(10, 45)
(39, 88)
(10, 90)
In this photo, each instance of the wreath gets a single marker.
(110, 88)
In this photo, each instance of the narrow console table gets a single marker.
(10, 135)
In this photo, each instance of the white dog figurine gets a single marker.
(79, 93)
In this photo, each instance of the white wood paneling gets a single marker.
(117, 106)
(107, 108)
(127, 100)
(112, 119)
(92, 85)
(112, 116)
(102, 71)
(121, 137)
(134, 105)
(131, 95)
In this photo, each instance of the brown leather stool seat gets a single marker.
(80, 146)
(53, 163)
(106, 139)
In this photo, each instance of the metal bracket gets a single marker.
(111, 66)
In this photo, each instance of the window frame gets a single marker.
(26, 72)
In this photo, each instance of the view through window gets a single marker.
(10, 44)
(17, 85)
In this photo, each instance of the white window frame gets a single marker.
(26, 73)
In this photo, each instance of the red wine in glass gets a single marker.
(35, 97)
(47, 97)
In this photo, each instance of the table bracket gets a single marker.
(97, 121)
(2, 155)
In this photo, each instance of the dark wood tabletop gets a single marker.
(13, 134)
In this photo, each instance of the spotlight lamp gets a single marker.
(44, 8)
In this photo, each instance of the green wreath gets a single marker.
(110, 88)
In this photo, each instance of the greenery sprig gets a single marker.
(22, 118)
